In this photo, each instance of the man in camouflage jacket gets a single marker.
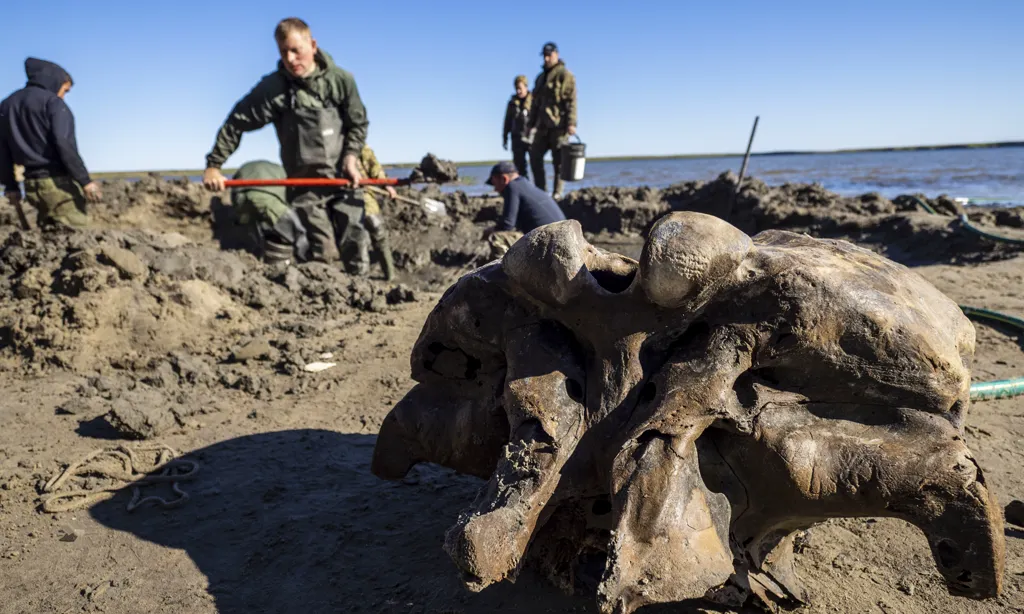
(552, 116)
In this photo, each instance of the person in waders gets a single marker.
(263, 208)
(321, 126)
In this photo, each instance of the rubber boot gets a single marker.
(275, 252)
(285, 240)
(379, 238)
(559, 186)
(355, 251)
(383, 245)
(359, 263)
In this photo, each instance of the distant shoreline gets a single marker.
(961, 146)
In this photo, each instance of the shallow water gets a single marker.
(989, 176)
(992, 176)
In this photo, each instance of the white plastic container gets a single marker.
(574, 160)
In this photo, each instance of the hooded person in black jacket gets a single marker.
(37, 131)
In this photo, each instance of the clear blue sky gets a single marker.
(154, 80)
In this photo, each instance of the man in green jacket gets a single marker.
(279, 231)
(552, 116)
(321, 126)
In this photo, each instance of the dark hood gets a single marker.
(45, 74)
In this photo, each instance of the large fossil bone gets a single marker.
(683, 416)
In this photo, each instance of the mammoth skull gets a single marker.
(681, 418)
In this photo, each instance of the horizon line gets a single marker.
(621, 158)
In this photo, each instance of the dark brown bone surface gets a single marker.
(682, 417)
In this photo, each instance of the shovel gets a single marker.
(431, 205)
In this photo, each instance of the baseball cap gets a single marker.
(501, 168)
(548, 48)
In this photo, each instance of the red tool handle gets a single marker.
(306, 182)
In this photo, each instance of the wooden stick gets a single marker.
(743, 170)
(746, 156)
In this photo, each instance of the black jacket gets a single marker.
(37, 130)
(527, 207)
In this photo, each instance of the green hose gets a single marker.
(924, 205)
(1004, 388)
(988, 235)
(967, 225)
(999, 389)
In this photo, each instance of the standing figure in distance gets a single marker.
(517, 114)
(552, 116)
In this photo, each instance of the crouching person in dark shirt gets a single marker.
(526, 207)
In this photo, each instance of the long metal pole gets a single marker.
(308, 181)
(746, 156)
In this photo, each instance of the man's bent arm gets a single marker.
(509, 117)
(570, 91)
(535, 109)
(252, 112)
(374, 169)
(353, 115)
(62, 128)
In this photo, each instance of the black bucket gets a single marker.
(574, 160)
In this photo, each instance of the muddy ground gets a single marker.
(158, 325)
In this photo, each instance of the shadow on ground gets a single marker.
(294, 521)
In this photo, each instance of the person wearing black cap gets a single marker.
(37, 131)
(552, 117)
(526, 207)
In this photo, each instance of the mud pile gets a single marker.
(898, 228)
(426, 246)
(167, 259)
(158, 323)
(432, 169)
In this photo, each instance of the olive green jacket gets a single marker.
(329, 84)
(554, 99)
(264, 203)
